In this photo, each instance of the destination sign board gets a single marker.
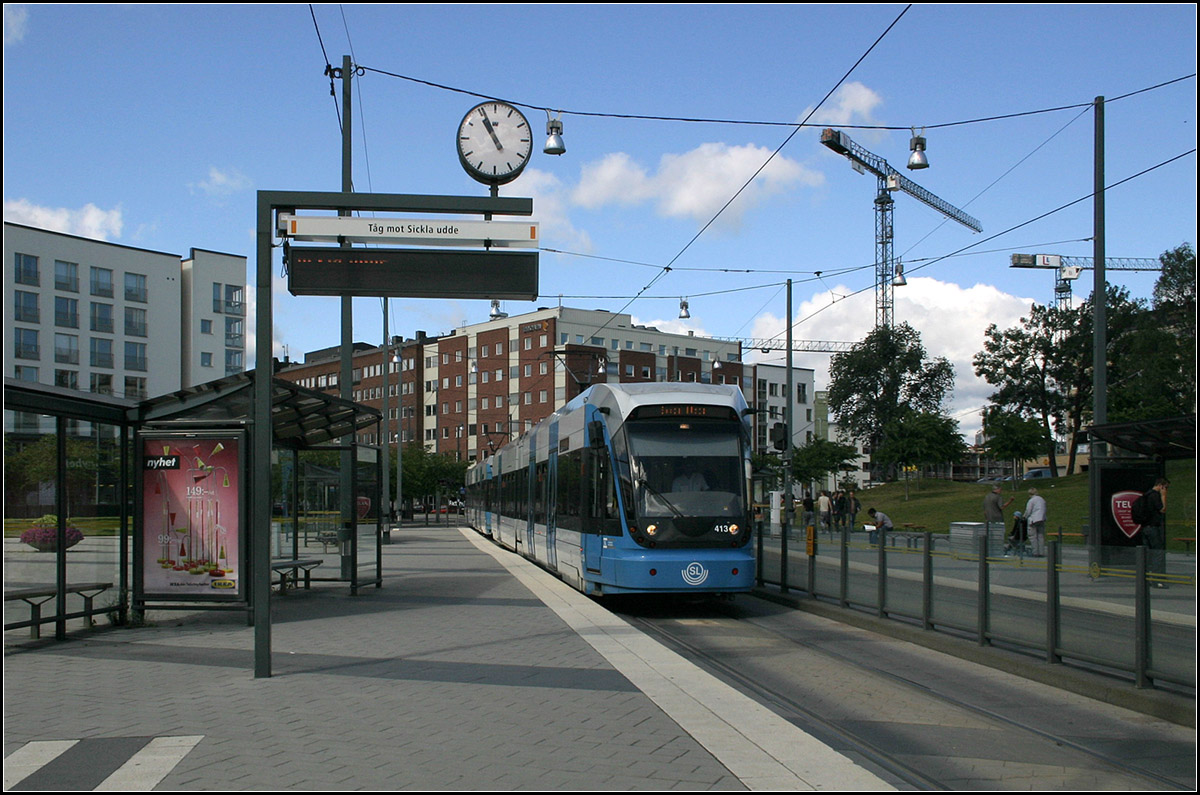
(413, 273)
(409, 231)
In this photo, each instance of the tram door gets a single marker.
(552, 513)
(528, 527)
(596, 479)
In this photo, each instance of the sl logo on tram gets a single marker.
(695, 573)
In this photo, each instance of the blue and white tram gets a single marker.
(629, 488)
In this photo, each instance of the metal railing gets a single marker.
(1069, 606)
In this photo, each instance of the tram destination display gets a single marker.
(413, 273)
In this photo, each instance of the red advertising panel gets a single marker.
(191, 544)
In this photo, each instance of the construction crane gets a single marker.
(887, 274)
(1067, 269)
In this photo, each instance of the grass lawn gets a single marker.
(936, 503)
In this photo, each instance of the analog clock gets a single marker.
(494, 142)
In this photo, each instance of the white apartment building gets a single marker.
(112, 319)
(771, 399)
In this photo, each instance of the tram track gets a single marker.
(786, 661)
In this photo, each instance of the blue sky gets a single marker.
(154, 125)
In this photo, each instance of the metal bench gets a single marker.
(290, 568)
(36, 597)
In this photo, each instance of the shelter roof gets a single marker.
(301, 417)
(1168, 438)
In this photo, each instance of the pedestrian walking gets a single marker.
(993, 510)
(825, 509)
(1035, 514)
(853, 506)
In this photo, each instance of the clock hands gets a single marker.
(487, 125)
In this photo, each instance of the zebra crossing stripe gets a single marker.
(30, 758)
(149, 766)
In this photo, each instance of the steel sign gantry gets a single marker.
(890, 180)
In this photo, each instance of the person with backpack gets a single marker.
(1150, 511)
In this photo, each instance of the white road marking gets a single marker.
(149, 766)
(30, 758)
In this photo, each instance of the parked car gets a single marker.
(1038, 473)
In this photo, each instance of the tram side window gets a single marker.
(570, 478)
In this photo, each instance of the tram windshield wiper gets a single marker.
(646, 485)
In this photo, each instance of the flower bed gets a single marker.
(43, 536)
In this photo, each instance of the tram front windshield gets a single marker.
(687, 470)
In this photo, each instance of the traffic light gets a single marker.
(779, 436)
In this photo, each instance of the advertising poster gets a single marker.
(1120, 483)
(191, 533)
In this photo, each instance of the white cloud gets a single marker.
(550, 203)
(853, 103)
(224, 182)
(693, 185)
(16, 18)
(951, 320)
(87, 221)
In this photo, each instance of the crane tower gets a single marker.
(890, 180)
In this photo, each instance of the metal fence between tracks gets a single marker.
(921, 577)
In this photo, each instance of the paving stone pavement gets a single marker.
(465, 671)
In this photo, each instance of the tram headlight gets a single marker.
(651, 529)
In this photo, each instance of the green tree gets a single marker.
(873, 384)
(819, 458)
(921, 439)
(1011, 437)
(425, 472)
(1153, 371)
(1040, 368)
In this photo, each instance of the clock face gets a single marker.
(494, 142)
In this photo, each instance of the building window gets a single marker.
(25, 344)
(135, 356)
(206, 360)
(25, 270)
(66, 349)
(25, 307)
(67, 379)
(101, 352)
(135, 387)
(66, 312)
(66, 276)
(102, 282)
(101, 383)
(135, 322)
(206, 326)
(135, 288)
(233, 362)
(23, 372)
(234, 304)
(233, 333)
(102, 317)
